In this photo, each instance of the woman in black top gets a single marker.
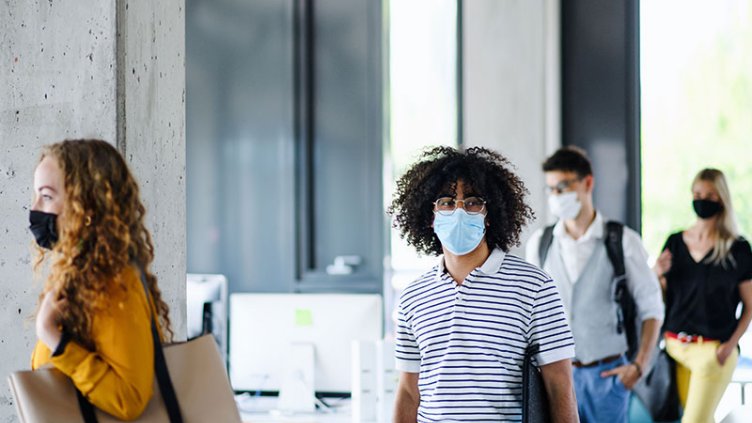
(706, 271)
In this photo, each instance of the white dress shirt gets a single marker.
(575, 254)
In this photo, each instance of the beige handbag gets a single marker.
(191, 386)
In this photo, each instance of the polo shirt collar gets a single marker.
(493, 262)
(490, 267)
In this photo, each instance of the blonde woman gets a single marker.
(93, 321)
(706, 271)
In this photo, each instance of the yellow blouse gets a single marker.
(119, 376)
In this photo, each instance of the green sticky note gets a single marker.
(303, 317)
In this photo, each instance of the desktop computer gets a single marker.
(374, 381)
(299, 343)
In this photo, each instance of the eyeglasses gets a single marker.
(562, 186)
(447, 205)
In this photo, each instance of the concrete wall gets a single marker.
(91, 68)
(151, 131)
(511, 86)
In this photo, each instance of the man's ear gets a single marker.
(589, 183)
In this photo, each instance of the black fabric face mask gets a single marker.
(706, 209)
(44, 228)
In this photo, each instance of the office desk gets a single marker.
(298, 418)
(261, 410)
(739, 415)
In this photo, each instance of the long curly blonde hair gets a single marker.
(101, 233)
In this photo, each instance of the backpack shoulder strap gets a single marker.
(627, 312)
(547, 238)
(614, 247)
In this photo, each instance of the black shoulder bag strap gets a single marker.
(547, 238)
(160, 370)
(87, 410)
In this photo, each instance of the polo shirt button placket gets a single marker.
(458, 303)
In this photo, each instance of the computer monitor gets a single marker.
(264, 327)
(206, 308)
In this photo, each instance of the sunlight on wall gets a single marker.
(423, 102)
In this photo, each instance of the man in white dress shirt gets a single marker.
(577, 260)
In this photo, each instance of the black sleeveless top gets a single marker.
(702, 298)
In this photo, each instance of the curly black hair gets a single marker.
(484, 173)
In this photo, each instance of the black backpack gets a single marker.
(627, 321)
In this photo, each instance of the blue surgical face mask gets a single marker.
(459, 232)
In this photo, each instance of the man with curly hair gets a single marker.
(580, 263)
(464, 326)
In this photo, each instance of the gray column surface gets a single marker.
(89, 69)
(511, 87)
(151, 131)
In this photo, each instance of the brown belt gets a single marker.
(608, 359)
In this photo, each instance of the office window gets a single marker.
(423, 102)
(284, 122)
(696, 108)
(696, 94)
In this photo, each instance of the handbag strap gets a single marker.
(87, 410)
(160, 369)
(160, 364)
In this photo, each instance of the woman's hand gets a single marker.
(49, 319)
(663, 264)
(723, 351)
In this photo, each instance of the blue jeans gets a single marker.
(601, 400)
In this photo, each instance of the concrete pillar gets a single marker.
(151, 131)
(90, 68)
(511, 86)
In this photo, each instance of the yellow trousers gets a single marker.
(700, 378)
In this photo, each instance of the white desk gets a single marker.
(309, 418)
(261, 410)
(739, 415)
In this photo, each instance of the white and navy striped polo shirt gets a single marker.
(467, 341)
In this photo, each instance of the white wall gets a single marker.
(511, 86)
(90, 68)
